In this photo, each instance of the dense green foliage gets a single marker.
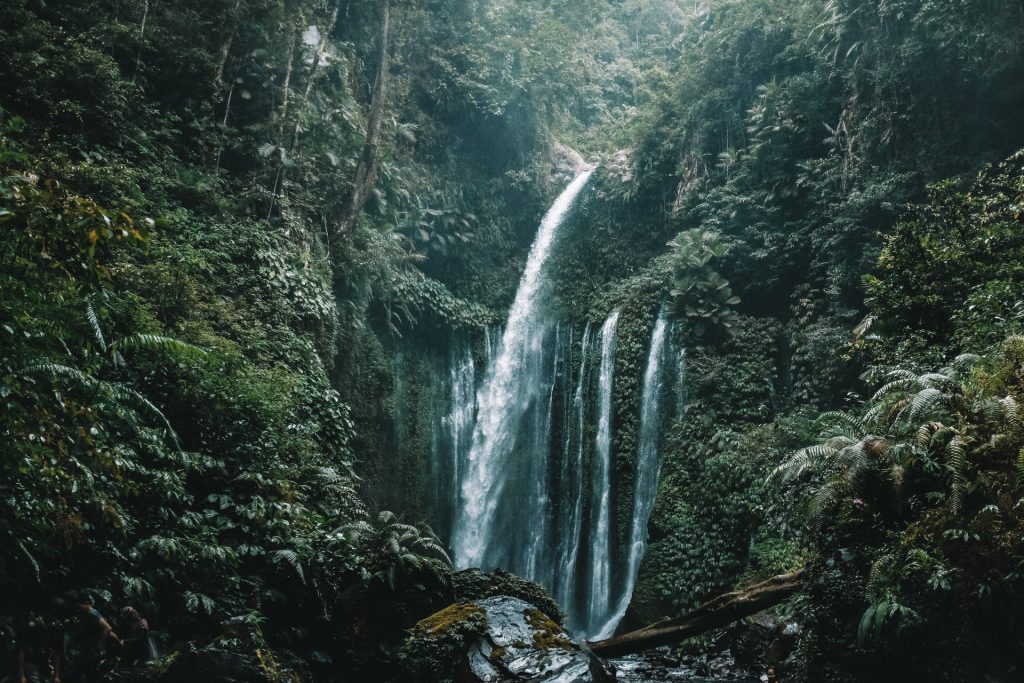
(209, 392)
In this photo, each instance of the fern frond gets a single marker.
(127, 395)
(965, 361)
(937, 380)
(924, 401)
(838, 423)
(797, 464)
(1012, 412)
(957, 463)
(923, 437)
(824, 500)
(855, 460)
(153, 342)
(61, 371)
(94, 322)
(292, 559)
(904, 383)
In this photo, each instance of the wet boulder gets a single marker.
(498, 639)
(473, 584)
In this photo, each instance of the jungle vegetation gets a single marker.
(230, 229)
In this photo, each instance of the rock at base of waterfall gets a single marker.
(500, 638)
(473, 584)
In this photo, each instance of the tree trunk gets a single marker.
(716, 613)
(286, 86)
(366, 172)
(225, 46)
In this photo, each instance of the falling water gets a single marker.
(453, 429)
(648, 465)
(598, 596)
(525, 485)
(572, 478)
(504, 503)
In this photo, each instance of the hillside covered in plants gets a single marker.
(423, 340)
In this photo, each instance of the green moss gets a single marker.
(441, 623)
(549, 635)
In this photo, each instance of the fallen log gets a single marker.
(715, 613)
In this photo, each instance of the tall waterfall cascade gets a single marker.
(504, 502)
(522, 449)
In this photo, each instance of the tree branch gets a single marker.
(715, 613)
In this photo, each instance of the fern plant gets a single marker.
(126, 401)
(932, 422)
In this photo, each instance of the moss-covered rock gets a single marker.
(473, 584)
(499, 638)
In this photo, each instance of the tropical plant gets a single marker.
(701, 296)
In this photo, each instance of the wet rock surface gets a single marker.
(564, 164)
(522, 643)
(503, 639)
(473, 584)
(741, 652)
(662, 666)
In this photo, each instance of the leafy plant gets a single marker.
(701, 296)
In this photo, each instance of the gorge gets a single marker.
(421, 341)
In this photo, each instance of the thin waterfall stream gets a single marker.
(648, 465)
(598, 594)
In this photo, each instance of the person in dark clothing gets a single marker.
(135, 635)
(90, 640)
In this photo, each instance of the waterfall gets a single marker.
(572, 478)
(453, 429)
(648, 465)
(503, 514)
(600, 535)
(526, 481)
